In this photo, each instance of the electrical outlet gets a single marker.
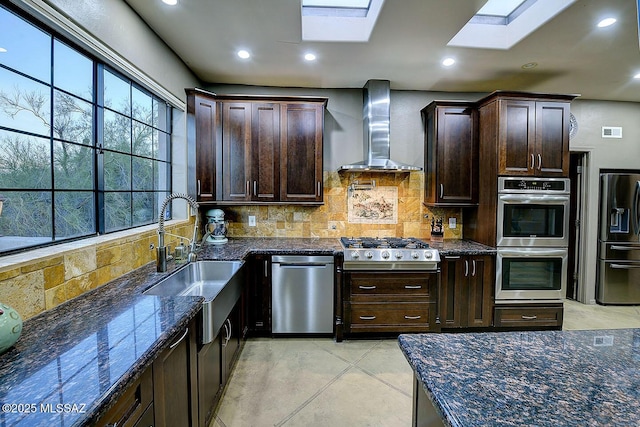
(252, 221)
(452, 223)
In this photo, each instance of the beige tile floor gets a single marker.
(317, 382)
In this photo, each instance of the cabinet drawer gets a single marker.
(401, 284)
(515, 316)
(390, 317)
(133, 404)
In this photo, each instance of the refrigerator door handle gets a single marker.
(634, 208)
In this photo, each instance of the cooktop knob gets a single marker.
(415, 255)
(385, 254)
(368, 254)
(428, 255)
(398, 255)
(355, 255)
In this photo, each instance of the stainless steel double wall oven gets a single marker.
(532, 238)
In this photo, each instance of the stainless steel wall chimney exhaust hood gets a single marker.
(376, 114)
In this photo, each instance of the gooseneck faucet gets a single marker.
(161, 251)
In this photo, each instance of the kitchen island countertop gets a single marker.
(543, 378)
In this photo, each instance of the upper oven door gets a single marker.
(533, 220)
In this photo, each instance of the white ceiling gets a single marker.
(407, 44)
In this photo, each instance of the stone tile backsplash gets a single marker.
(331, 219)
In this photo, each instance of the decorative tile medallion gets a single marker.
(375, 206)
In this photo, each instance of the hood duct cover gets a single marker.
(377, 115)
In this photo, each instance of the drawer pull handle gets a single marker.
(367, 317)
(529, 317)
(367, 288)
(413, 286)
(412, 317)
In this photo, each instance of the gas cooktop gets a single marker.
(383, 242)
(388, 253)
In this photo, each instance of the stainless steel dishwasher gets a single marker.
(301, 294)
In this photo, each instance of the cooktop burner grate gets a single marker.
(383, 243)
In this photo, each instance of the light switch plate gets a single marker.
(252, 221)
(452, 223)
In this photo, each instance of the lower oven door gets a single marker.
(526, 274)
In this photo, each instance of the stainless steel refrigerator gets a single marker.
(618, 277)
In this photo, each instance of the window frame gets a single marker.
(99, 67)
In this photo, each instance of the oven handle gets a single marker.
(625, 248)
(532, 252)
(530, 198)
(634, 209)
(625, 266)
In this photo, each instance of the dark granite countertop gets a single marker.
(72, 362)
(87, 351)
(545, 378)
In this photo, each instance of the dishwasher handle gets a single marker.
(301, 265)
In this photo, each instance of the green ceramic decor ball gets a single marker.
(10, 327)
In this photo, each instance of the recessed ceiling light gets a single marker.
(2, 50)
(243, 54)
(606, 22)
(310, 57)
(448, 62)
(637, 76)
(170, 2)
(529, 65)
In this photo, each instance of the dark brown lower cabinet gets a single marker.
(258, 295)
(215, 363)
(230, 343)
(389, 302)
(175, 382)
(466, 293)
(209, 379)
(524, 316)
(135, 406)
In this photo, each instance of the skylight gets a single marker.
(500, 24)
(339, 20)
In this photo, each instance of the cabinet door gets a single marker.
(265, 152)
(174, 383)
(480, 272)
(230, 343)
(517, 137)
(236, 151)
(301, 152)
(451, 293)
(205, 158)
(457, 156)
(552, 139)
(209, 379)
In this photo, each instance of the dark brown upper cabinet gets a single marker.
(256, 149)
(532, 133)
(202, 125)
(451, 153)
